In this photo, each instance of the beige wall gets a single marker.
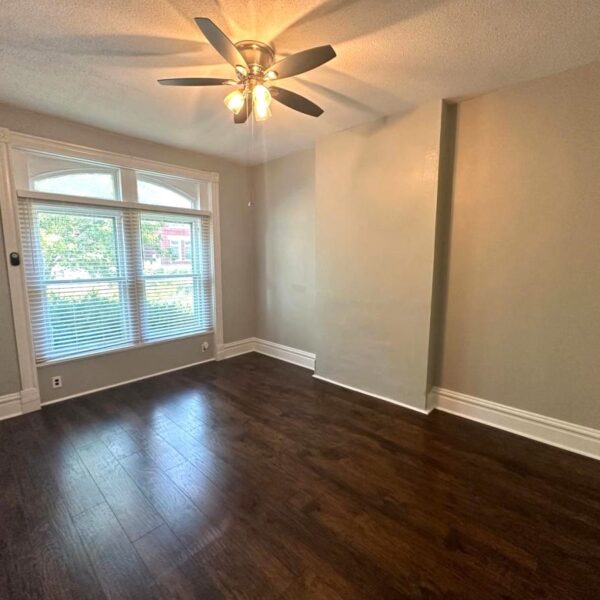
(363, 205)
(375, 229)
(10, 380)
(523, 305)
(237, 233)
(109, 369)
(284, 206)
(442, 242)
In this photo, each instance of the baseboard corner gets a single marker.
(236, 348)
(301, 358)
(294, 356)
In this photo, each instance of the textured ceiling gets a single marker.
(97, 61)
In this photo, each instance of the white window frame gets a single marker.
(128, 165)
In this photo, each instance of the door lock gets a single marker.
(15, 259)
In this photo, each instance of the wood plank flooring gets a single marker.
(248, 479)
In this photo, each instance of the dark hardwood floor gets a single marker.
(249, 479)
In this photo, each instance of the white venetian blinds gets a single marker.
(101, 278)
(108, 275)
(175, 282)
(77, 281)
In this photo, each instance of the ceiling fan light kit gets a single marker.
(255, 72)
(235, 101)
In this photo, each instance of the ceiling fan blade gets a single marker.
(296, 101)
(195, 81)
(221, 43)
(303, 61)
(246, 111)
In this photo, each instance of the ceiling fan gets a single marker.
(256, 70)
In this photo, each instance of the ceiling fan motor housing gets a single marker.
(256, 53)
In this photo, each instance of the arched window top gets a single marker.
(46, 173)
(167, 191)
(93, 182)
(49, 173)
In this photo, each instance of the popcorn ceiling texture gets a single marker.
(97, 61)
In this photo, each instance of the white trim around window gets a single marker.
(29, 395)
(127, 167)
(22, 141)
(80, 200)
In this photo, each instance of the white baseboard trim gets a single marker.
(285, 353)
(423, 411)
(568, 436)
(235, 348)
(30, 400)
(19, 403)
(10, 406)
(279, 351)
(113, 385)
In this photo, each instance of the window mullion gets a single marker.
(129, 193)
(134, 265)
(128, 181)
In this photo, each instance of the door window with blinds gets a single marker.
(114, 257)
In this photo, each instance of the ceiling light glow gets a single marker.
(262, 101)
(235, 101)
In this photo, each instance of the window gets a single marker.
(110, 275)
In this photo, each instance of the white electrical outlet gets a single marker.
(57, 381)
(205, 346)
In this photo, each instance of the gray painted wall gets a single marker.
(375, 231)
(108, 369)
(10, 379)
(284, 206)
(517, 295)
(523, 304)
(237, 242)
(442, 242)
(374, 200)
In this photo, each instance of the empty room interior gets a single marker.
(299, 300)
